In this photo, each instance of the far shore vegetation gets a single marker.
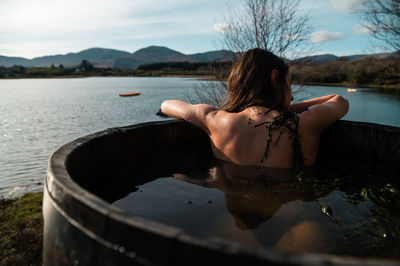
(366, 72)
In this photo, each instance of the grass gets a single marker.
(21, 230)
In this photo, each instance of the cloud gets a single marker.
(347, 6)
(98, 23)
(221, 27)
(361, 30)
(325, 36)
(50, 15)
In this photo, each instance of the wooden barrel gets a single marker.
(82, 227)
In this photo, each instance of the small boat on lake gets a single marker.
(351, 90)
(136, 93)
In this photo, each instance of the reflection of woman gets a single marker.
(257, 125)
(249, 190)
(253, 196)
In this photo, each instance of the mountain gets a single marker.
(151, 54)
(317, 58)
(10, 61)
(212, 56)
(101, 57)
(104, 58)
(97, 56)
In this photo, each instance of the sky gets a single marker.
(33, 28)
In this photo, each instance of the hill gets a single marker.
(160, 54)
(110, 58)
(321, 59)
(151, 54)
(99, 57)
(11, 61)
(104, 58)
(316, 58)
(220, 55)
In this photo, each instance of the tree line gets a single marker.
(21, 71)
(218, 69)
(368, 71)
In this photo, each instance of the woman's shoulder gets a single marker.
(222, 119)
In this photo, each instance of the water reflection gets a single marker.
(328, 209)
(254, 195)
(389, 91)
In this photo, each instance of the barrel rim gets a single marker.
(59, 184)
(388, 128)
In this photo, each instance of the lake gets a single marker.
(37, 116)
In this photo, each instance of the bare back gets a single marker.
(234, 139)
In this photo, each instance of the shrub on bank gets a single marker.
(21, 230)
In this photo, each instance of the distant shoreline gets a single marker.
(205, 77)
(211, 78)
(350, 85)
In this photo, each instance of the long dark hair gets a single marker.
(249, 83)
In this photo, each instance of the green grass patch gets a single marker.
(21, 230)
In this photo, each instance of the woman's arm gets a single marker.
(196, 114)
(321, 115)
(301, 106)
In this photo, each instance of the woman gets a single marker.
(257, 125)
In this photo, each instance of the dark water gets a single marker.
(37, 116)
(337, 210)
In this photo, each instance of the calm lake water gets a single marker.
(39, 115)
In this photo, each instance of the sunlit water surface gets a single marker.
(39, 115)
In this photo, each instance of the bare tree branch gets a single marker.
(382, 18)
(208, 92)
(275, 25)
